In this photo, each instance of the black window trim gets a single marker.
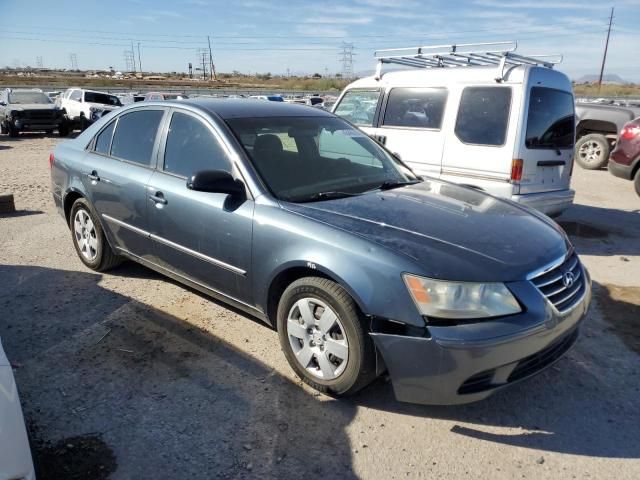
(383, 110)
(506, 133)
(376, 116)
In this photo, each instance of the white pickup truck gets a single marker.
(83, 107)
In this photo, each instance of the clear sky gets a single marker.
(305, 37)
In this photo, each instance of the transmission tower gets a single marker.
(130, 60)
(204, 62)
(346, 57)
(39, 62)
(74, 61)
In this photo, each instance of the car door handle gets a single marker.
(93, 176)
(158, 198)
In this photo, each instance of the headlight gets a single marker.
(460, 300)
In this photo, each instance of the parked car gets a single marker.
(625, 158)
(291, 214)
(83, 107)
(155, 96)
(508, 130)
(597, 131)
(15, 455)
(271, 98)
(23, 110)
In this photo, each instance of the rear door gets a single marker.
(411, 127)
(547, 147)
(116, 172)
(202, 236)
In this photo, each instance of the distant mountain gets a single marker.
(609, 78)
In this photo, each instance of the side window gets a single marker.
(359, 106)
(415, 107)
(76, 95)
(135, 135)
(103, 140)
(191, 147)
(483, 115)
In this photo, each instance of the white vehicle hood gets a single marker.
(15, 455)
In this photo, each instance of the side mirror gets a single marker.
(3, 103)
(216, 181)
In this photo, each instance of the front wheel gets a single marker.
(13, 131)
(324, 338)
(89, 239)
(592, 151)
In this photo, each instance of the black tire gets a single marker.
(3, 130)
(105, 258)
(361, 364)
(13, 131)
(63, 129)
(592, 151)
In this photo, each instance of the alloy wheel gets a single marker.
(85, 235)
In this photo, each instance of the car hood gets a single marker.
(452, 232)
(33, 106)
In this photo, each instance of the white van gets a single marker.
(478, 115)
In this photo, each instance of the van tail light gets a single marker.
(630, 131)
(52, 160)
(516, 170)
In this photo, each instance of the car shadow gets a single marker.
(173, 396)
(160, 396)
(602, 231)
(5, 147)
(20, 213)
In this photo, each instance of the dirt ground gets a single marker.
(128, 375)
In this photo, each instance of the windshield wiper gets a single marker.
(390, 184)
(328, 196)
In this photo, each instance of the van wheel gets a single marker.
(89, 239)
(324, 338)
(592, 151)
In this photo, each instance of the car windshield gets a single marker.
(28, 97)
(551, 121)
(304, 159)
(103, 98)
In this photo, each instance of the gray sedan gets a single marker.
(298, 218)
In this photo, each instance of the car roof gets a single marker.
(227, 108)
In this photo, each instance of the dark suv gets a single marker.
(625, 158)
(29, 110)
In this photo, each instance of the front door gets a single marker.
(202, 236)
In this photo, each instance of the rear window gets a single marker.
(551, 119)
(415, 107)
(135, 136)
(359, 106)
(483, 115)
(103, 141)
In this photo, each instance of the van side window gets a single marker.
(75, 95)
(359, 106)
(135, 136)
(191, 147)
(483, 115)
(103, 140)
(415, 107)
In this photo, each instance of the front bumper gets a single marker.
(32, 125)
(549, 203)
(468, 362)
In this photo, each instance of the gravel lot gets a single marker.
(128, 375)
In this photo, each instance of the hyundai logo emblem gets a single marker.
(568, 279)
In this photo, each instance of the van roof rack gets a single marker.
(498, 54)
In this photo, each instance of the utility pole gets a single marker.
(606, 47)
(133, 57)
(139, 59)
(212, 68)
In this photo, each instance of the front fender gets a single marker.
(370, 273)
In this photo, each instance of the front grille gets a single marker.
(39, 114)
(556, 287)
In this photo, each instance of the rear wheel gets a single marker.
(324, 338)
(89, 239)
(592, 151)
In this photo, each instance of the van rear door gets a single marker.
(547, 147)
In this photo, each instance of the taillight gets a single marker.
(52, 160)
(629, 132)
(516, 169)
